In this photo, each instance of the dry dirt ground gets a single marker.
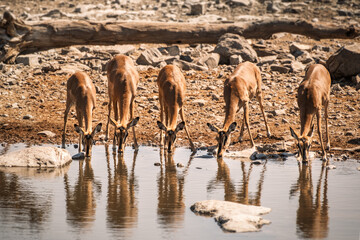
(43, 97)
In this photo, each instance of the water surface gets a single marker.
(129, 197)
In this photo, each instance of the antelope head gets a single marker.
(222, 136)
(170, 134)
(303, 143)
(121, 132)
(88, 137)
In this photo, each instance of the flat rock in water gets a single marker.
(233, 217)
(246, 153)
(50, 157)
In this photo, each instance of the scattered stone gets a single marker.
(233, 217)
(200, 102)
(280, 69)
(345, 61)
(278, 112)
(256, 162)
(239, 3)
(198, 8)
(211, 60)
(297, 67)
(28, 60)
(331, 167)
(179, 165)
(188, 66)
(235, 59)
(157, 164)
(49, 157)
(78, 156)
(150, 56)
(28, 116)
(233, 44)
(46, 134)
(297, 49)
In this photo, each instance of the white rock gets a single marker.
(233, 217)
(246, 153)
(50, 157)
(46, 134)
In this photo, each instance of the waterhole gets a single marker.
(145, 195)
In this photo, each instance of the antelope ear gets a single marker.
(180, 126)
(232, 127)
(311, 131)
(78, 129)
(293, 134)
(96, 129)
(113, 122)
(133, 122)
(212, 127)
(161, 126)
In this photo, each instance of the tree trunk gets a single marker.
(17, 37)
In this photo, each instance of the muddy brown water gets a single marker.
(132, 198)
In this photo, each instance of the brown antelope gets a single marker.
(122, 83)
(313, 94)
(81, 92)
(239, 89)
(172, 86)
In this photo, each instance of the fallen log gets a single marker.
(17, 37)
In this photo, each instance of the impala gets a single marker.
(239, 89)
(313, 94)
(81, 92)
(172, 87)
(122, 83)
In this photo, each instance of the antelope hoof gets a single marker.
(269, 135)
(327, 147)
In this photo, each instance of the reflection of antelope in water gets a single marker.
(121, 202)
(170, 191)
(312, 216)
(230, 192)
(80, 203)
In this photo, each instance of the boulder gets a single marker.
(189, 66)
(38, 156)
(211, 60)
(28, 60)
(198, 9)
(233, 44)
(233, 217)
(239, 3)
(150, 56)
(345, 62)
(235, 60)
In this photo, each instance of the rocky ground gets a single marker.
(33, 91)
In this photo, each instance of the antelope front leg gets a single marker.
(193, 148)
(260, 99)
(136, 146)
(108, 121)
(318, 118)
(242, 130)
(246, 116)
(80, 120)
(68, 105)
(326, 126)
(161, 120)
